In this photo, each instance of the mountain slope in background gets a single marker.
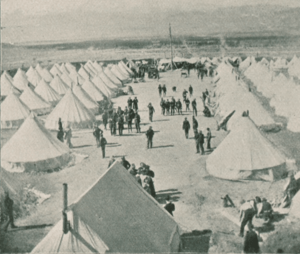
(85, 24)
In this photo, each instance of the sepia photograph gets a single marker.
(150, 126)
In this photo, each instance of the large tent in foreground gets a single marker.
(295, 206)
(33, 148)
(246, 154)
(72, 112)
(115, 215)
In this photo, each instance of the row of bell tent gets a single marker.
(75, 103)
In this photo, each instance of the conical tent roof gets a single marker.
(30, 71)
(116, 194)
(58, 85)
(97, 67)
(72, 112)
(5, 73)
(34, 77)
(47, 92)
(20, 80)
(86, 99)
(122, 65)
(66, 79)
(82, 71)
(103, 88)
(7, 86)
(55, 70)
(115, 70)
(70, 67)
(46, 75)
(90, 68)
(13, 111)
(34, 102)
(34, 148)
(112, 77)
(92, 91)
(107, 81)
(63, 69)
(76, 77)
(39, 68)
(244, 153)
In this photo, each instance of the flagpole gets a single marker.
(171, 46)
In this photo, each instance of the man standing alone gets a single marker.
(149, 135)
(8, 204)
(151, 111)
(191, 90)
(103, 143)
(186, 127)
(201, 141)
(97, 133)
(194, 105)
(208, 136)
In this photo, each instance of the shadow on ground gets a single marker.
(162, 146)
(196, 241)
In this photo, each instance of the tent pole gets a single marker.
(171, 46)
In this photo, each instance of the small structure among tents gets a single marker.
(115, 215)
(246, 154)
(72, 112)
(33, 148)
(13, 112)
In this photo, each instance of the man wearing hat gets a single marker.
(186, 127)
(151, 111)
(103, 143)
(149, 135)
(97, 133)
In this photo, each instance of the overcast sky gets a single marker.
(41, 7)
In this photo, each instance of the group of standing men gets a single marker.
(199, 137)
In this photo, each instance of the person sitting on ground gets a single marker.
(133, 171)
(169, 206)
(125, 163)
(206, 112)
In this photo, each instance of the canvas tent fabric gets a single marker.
(34, 102)
(58, 85)
(13, 112)
(55, 70)
(122, 65)
(63, 69)
(107, 92)
(72, 112)
(123, 216)
(116, 71)
(7, 86)
(34, 77)
(86, 99)
(20, 80)
(295, 206)
(246, 154)
(66, 79)
(70, 67)
(76, 77)
(112, 77)
(47, 92)
(108, 82)
(92, 91)
(5, 73)
(82, 71)
(33, 148)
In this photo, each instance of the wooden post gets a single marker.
(65, 206)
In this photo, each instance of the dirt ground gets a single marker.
(179, 172)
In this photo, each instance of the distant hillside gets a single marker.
(85, 25)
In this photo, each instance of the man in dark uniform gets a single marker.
(151, 111)
(103, 143)
(184, 94)
(195, 125)
(191, 90)
(172, 105)
(159, 90)
(201, 141)
(169, 206)
(208, 137)
(105, 118)
(163, 106)
(8, 205)
(125, 163)
(187, 104)
(164, 89)
(137, 120)
(149, 135)
(179, 107)
(97, 133)
(197, 141)
(129, 102)
(251, 243)
(186, 127)
(167, 105)
(114, 121)
(129, 122)
(194, 105)
(121, 125)
(135, 104)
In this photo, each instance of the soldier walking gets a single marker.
(137, 120)
(195, 125)
(159, 90)
(103, 143)
(129, 102)
(172, 104)
(191, 90)
(151, 111)
(135, 104)
(187, 104)
(194, 105)
(149, 135)
(201, 141)
(179, 107)
(208, 137)
(186, 127)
